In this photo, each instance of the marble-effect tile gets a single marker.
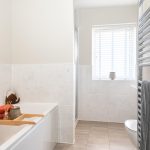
(104, 98)
(5, 80)
(48, 83)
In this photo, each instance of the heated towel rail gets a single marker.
(143, 57)
(140, 2)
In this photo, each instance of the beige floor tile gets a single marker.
(99, 124)
(83, 128)
(117, 130)
(99, 136)
(62, 146)
(97, 147)
(80, 141)
(92, 124)
(120, 146)
(82, 131)
(69, 147)
(82, 135)
(118, 135)
(77, 147)
(98, 132)
(118, 126)
(99, 129)
(85, 124)
(120, 140)
(101, 140)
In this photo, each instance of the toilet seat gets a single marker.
(131, 125)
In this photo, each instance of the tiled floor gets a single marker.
(99, 136)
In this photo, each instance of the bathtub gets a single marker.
(42, 136)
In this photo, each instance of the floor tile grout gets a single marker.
(97, 135)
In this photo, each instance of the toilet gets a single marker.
(131, 127)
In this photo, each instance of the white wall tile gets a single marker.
(66, 124)
(5, 80)
(48, 83)
(93, 107)
(44, 83)
(110, 101)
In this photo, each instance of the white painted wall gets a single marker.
(42, 31)
(110, 101)
(5, 48)
(5, 31)
(101, 16)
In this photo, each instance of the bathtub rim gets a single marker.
(22, 132)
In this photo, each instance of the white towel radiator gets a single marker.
(143, 56)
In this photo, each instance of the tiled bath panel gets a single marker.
(5, 80)
(99, 136)
(48, 83)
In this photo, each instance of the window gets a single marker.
(114, 50)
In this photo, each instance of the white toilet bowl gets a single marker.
(131, 127)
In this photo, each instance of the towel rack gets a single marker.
(141, 2)
(143, 58)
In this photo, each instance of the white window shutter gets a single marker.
(114, 50)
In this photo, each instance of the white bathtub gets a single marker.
(42, 136)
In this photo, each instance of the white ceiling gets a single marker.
(103, 3)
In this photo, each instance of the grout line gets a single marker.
(90, 128)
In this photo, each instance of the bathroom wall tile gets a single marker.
(67, 131)
(93, 107)
(5, 80)
(120, 108)
(48, 83)
(109, 101)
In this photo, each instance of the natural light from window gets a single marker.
(114, 50)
